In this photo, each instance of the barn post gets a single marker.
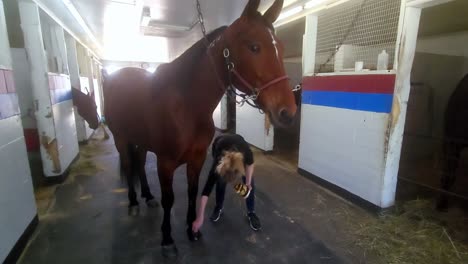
(309, 45)
(34, 45)
(408, 34)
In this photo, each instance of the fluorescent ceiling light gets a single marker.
(290, 12)
(145, 21)
(313, 3)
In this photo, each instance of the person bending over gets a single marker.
(232, 159)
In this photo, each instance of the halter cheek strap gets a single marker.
(255, 92)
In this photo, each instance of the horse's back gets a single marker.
(126, 95)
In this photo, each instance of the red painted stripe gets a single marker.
(370, 83)
(10, 81)
(31, 137)
(3, 87)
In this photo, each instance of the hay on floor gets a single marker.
(413, 233)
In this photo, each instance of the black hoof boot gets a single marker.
(193, 236)
(169, 251)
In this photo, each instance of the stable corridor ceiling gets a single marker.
(133, 30)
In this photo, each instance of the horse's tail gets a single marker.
(134, 160)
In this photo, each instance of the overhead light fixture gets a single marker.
(290, 12)
(170, 27)
(145, 20)
(313, 3)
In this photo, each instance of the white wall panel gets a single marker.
(66, 132)
(344, 147)
(254, 127)
(16, 190)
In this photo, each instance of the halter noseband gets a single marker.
(255, 92)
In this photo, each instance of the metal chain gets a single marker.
(345, 37)
(200, 19)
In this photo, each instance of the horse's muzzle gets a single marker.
(285, 118)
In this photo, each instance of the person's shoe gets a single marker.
(216, 215)
(254, 222)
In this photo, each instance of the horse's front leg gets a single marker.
(194, 166)
(166, 173)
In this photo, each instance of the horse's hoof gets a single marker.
(133, 210)
(169, 251)
(193, 236)
(152, 203)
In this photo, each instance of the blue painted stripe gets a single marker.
(371, 102)
(60, 95)
(9, 105)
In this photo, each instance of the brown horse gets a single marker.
(170, 112)
(456, 136)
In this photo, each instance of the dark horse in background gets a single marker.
(170, 112)
(456, 136)
(87, 109)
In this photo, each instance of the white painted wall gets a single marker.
(254, 127)
(5, 58)
(16, 190)
(344, 147)
(21, 72)
(66, 132)
(220, 114)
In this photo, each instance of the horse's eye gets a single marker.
(254, 48)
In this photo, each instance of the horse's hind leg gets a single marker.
(145, 190)
(166, 173)
(125, 151)
(194, 167)
(452, 156)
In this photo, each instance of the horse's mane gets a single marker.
(182, 68)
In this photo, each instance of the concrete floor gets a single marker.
(88, 222)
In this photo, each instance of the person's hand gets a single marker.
(196, 225)
(249, 187)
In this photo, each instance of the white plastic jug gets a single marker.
(382, 61)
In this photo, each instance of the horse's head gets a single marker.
(257, 56)
(86, 106)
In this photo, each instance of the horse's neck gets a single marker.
(210, 83)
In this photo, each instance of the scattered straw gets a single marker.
(411, 234)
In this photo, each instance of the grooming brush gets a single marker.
(242, 190)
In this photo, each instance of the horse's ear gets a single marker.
(251, 8)
(274, 11)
